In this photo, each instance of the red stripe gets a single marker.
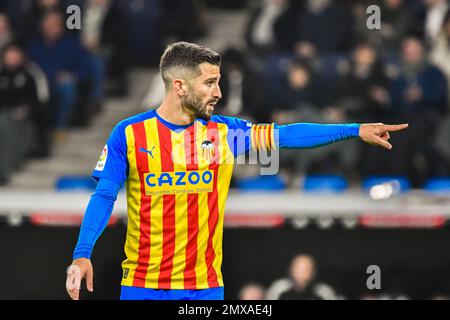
(144, 210)
(213, 205)
(165, 273)
(269, 141)
(190, 277)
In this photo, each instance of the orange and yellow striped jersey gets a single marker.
(177, 182)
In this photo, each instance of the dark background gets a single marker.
(34, 259)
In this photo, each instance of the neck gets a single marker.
(172, 111)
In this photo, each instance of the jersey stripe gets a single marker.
(164, 281)
(181, 219)
(133, 223)
(213, 134)
(203, 233)
(225, 171)
(144, 211)
(190, 281)
(156, 225)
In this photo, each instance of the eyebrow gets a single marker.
(212, 78)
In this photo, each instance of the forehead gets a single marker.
(209, 70)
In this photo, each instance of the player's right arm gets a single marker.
(111, 172)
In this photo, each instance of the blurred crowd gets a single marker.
(57, 68)
(305, 281)
(302, 61)
(317, 61)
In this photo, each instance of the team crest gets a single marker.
(208, 151)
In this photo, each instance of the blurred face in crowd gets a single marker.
(318, 4)
(303, 270)
(48, 3)
(393, 4)
(4, 24)
(365, 55)
(13, 58)
(203, 92)
(100, 3)
(432, 3)
(52, 27)
(412, 51)
(298, 77)
(252, 292)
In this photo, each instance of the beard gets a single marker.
(194, 104)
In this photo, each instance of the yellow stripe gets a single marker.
(223, 184)
(252, 135)
(203, 232)
(181, 216)
(272, 137)
(256, 128)
(133, 202)
(156, 213)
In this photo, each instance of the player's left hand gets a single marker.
(378, 133)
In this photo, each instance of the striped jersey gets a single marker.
(177, 181)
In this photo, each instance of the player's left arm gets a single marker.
(311, 135)
(244, 136)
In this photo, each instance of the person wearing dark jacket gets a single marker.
(20, 108)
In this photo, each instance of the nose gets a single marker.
(217, 94)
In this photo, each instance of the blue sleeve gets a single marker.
(96, 217)
(238, 135)
(113, 161)
(243, 135)
(310, 135)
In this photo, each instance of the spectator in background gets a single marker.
(19, 102)
(440, 50)
(434, 17)
(252, 291)
(303, 282)
(395, 24)
(243, 89)
(67, 67)
(325, 27)
(104, 33)
(33, 16)
(6, 35)
(440, 56)
(186, 20)
(363, 89)
(296, 94)
(260, 32)
(418, 96)
(145, 47)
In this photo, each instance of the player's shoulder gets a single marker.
(141, 117)
(232, 122)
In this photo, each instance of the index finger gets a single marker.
(395, 127)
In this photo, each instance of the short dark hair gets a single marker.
(186, 55)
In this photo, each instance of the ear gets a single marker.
(179, 87)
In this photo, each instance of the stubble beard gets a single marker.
(194, 105)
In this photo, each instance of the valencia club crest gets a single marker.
(208, 150)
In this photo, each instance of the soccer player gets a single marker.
(177, 163)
